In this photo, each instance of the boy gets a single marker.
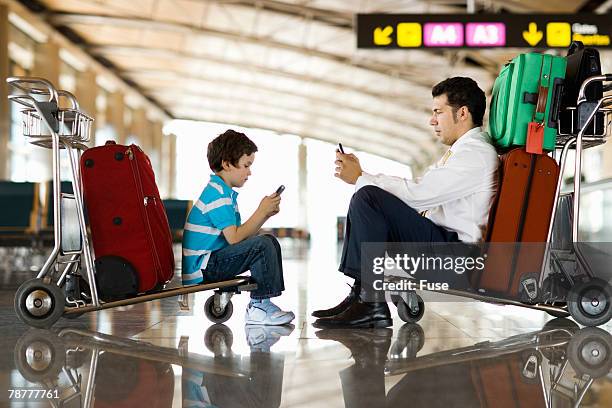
(217, 246)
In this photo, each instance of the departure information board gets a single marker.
(482, 30)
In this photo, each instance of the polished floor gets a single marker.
(461, 354)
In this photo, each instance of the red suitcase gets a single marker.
(521, 214)
(129, 227)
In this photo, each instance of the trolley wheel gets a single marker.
(410, 339)
(589, 302)
(556, 331)
(408, 315)
(217, 315)
(39, 304)
(219, 339)
(39, 356)
(590, 352)
(561, 323)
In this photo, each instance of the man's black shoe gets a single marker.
(368, 347)
(341, 307)
(359, 315)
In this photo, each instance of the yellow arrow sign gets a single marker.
(381, 35)
(533, 36)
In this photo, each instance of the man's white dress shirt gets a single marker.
(456, 194)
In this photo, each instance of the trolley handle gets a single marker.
(597, 78)
(34, 86)
(73, 101)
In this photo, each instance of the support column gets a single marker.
(172, 166)
(46, 65)
(86, 93)
(115, 108)
(5, 110)
(606, 171)
(156, 147)
(140, 129)
(302, 186)
(164, 172)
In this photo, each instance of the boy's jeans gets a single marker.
(260, 254)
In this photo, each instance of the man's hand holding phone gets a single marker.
(348, 168)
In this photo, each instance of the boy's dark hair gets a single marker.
(462, 91)
(229, 146)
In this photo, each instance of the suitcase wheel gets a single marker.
(529, 365)
(411, 313)
(38, 303)
(215, 311)
(116, 278)
(40, 356)
(589, 302)
(528, 288)
(589, 352)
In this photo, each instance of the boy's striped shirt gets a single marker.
(216, 209)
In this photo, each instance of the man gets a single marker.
(450, 203)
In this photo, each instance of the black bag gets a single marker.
(582, 63)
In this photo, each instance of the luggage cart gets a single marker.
(564, 359)
(559, 291)
(55, 291)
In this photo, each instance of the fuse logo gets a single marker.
(485, 34)
(443, 35)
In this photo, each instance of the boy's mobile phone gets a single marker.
(340, 147)
(280, 189)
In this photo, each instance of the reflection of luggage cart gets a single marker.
(40, 302)
(96, 369)
(556, 365)
(560, 288)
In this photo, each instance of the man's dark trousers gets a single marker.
(375, 215)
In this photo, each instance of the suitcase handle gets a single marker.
(557, 98)
(541, 105)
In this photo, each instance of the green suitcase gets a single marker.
(528, 90)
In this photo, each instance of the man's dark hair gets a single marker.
(462, 91)
(229, 146)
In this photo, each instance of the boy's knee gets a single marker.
(266, 242)
(272, 239)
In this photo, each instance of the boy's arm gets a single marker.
(234, 234)
(267, 208)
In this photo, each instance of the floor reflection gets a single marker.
(82, 368)
(560, 365)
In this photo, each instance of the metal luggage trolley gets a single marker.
(559, 291)
(41, 301)
(564, 359)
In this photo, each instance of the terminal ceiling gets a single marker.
(289, 66)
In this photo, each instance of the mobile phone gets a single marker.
(280, 189)
(340, 147)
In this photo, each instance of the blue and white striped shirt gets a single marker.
(216, 209)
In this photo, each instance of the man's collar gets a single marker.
(464, 137)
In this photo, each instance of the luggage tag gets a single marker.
(535, 138)
(535, 128)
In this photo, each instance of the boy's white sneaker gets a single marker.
(264, 312)
(261, 338)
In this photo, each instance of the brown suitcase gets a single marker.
(521, 214)
(511, 381)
